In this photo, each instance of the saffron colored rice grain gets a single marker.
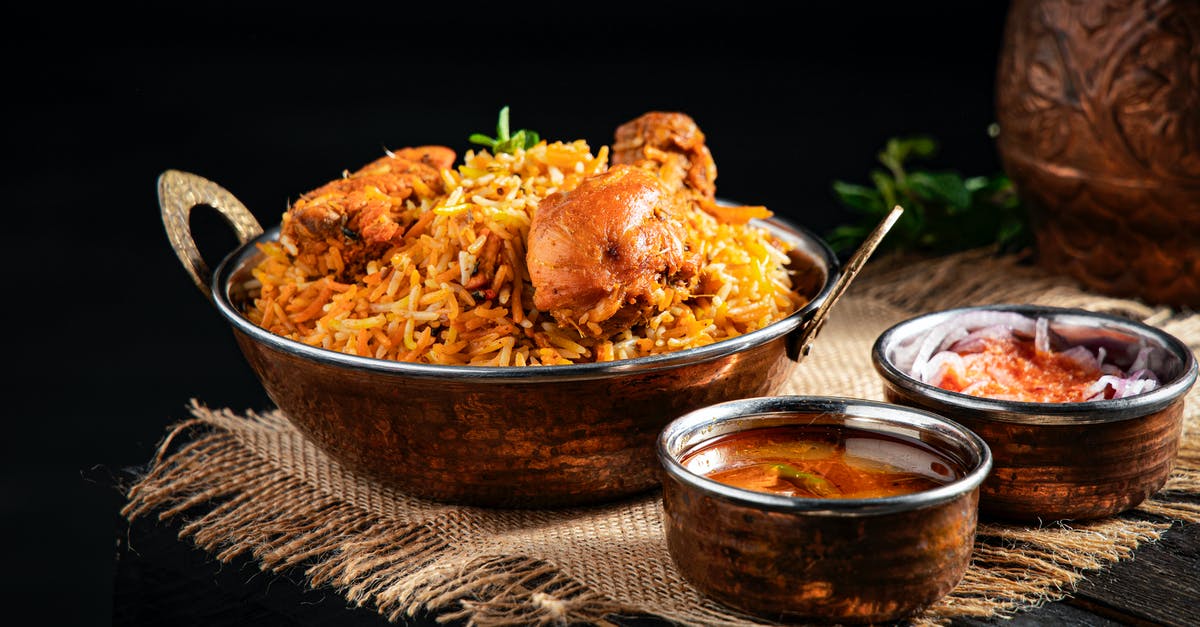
(418, 303)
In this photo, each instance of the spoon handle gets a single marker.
(853, 267)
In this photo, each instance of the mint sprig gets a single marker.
(523, 139)
(944, 212)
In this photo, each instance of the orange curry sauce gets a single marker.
(821, 461)
(1013, 369)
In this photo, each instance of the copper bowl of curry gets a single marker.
(519, 424)
(821, 509)
(1083, 410)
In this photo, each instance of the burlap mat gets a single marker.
(248, 483)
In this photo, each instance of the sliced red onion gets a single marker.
(1138, 386)
(1041, 336)
(904, 353)
(1144, 373)
(1082, 357)
(959, 327)
(1121, 386)
(932, 343)
(1097, 391)
(1142, 360)
(939, 365)
(930, 356)
(976, 340)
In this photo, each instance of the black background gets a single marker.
(112, 338)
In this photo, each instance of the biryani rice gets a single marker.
(412, 304)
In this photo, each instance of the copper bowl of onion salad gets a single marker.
(1083, 411)
(432, 321)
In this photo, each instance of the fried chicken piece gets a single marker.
(598, 253)
(361, 213)
(671, 145)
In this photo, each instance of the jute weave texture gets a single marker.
(246, 483)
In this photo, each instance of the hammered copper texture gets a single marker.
(532, 439)
(1047, 472)
(797, 566)
(1098, 105)
(515, 443)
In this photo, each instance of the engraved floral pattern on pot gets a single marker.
(1098, 105)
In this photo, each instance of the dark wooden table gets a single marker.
(161, 580)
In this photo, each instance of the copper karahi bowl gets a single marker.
(843, 560)
(521, 436)
(1060, 460)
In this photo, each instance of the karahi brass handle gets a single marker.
(802, 341)
(180, 192)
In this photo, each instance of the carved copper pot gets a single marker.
(1059, 461)
(828, 560)
(541, 436)
(1098, 104)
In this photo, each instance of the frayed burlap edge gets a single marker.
(252, 506)
(235, 500)
(376, 562)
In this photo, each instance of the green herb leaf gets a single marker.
(860, 197)
(944, 212)
(945, 188)
(897, 150)
(812, 482)
(483, 140)
(887, 188)
(523, 139)
(502, 125)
